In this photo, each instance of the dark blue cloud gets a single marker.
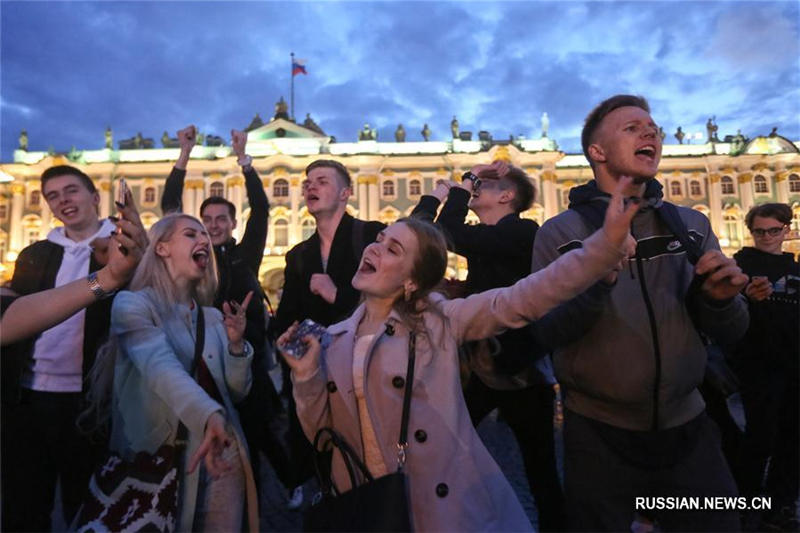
(69, 69)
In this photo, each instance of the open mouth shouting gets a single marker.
(200, 257)
(367, 266)
(647, 152)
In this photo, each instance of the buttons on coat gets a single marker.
(442, 489)
(398, 382)
(331, 386)
(420, 435)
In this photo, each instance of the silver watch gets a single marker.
(95, 288)
(245, 161)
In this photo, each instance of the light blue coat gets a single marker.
(153, 390)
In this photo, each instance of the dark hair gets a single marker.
(596, 116)
(780, 212)
(66, 170)
(330, 163)
(525, 192)
(218, 200)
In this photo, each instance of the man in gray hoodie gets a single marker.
(635, 423)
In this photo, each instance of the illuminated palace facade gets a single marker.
(722, 180)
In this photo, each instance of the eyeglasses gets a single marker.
(772, 232)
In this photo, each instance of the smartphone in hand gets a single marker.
(295, 346)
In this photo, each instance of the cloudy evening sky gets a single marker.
(69, 69)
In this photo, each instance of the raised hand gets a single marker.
(235, 322)
(239, 142)
(617, 224)
(187, 138)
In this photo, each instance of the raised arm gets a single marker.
(172, 199)
(255, 232)
(488, 313)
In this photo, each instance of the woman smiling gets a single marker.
(357, 386)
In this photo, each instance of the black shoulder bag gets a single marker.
(376, 504)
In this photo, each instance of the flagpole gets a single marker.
(291, 91)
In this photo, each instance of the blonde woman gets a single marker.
(154, 326)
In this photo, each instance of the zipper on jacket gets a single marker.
(651, 315)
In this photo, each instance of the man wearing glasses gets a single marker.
(766, 360)
(511, 371)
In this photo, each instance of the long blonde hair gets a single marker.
(151, 274)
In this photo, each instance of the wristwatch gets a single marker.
(95, 288)
(247, 350)
(245, 161)
(468, 175)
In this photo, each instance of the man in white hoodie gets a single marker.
(43, 391)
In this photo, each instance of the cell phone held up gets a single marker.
(121, 200)
(295, 347)
(122, 192)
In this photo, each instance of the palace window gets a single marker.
(733, 228)
(309, 226)
(150, 195)
(565, 197)
(414, 188)
(280, 190)
(3, 211)
(675, 188)
(695, 189)
(726, 184)
(760, 185)
(35, 199)
(388, 188)
(3, 249)
(217, 189)
(281, 227)
(794, 183)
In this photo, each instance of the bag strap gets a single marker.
(402, 442)
(181, 436)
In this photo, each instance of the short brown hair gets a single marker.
(67, 170)
(218, 200)
(330, 163)
(780, 212)
(525, 192)
(596, 116)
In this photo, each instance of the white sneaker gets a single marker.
(296, 499)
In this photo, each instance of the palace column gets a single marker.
(15, 227)
(236, 197)
(746, 191)
(549, 194)
(295, 231)
(782, 186)
(715, 202)
(362, 196)
(192, 189)
(374, 198)
(104, 188)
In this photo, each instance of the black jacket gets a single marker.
(36, 270)
(237, 264)
(297, 300)
(772, 338)
(497, 255)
